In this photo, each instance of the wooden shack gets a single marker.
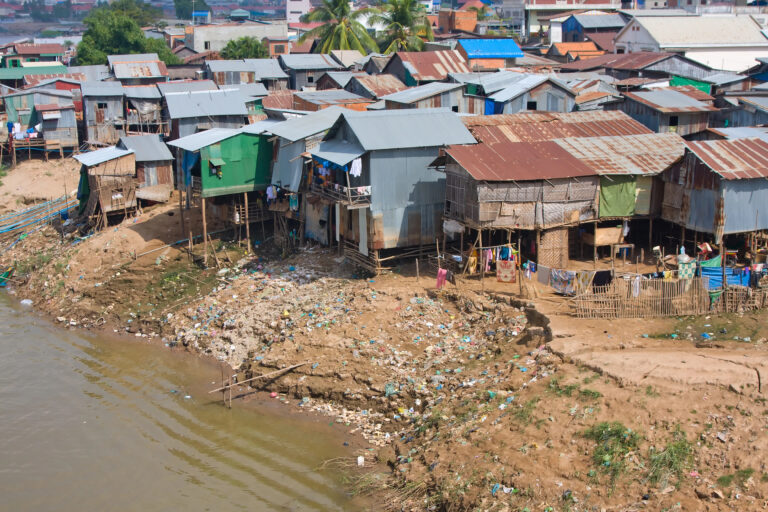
(103, 112)
(144, 110)
(107, 184)
(154, 166)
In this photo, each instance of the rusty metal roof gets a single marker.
(38, 49)
(519, 161)
(669, 101)
(540, 126)
(380, 85)
(735, 159)
(140, 69)
(694, 93)
(649, 153)
(331, 97)
(586, 144)
(627, 61)
(425, 66)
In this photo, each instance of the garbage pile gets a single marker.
(379, 356)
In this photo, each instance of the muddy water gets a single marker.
(94, 424)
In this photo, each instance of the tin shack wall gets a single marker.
(247, 161)
(407, 198)
(746, 205)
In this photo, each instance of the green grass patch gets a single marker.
(738, 478)
(671, 462)
(614, 443)
(649, 391)
(525, 413)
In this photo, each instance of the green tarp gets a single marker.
(678, 81)
(617, 196)
(714, 262)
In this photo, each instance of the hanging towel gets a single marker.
(472, 264)
(636, 286)
(357, 168)
(271, 194)
(686, 270)
(583, 280)
(505, 271)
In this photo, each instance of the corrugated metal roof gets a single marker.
(309, 61)
(519, 161)
(281, 99)
(199, 140)
(311, 124)
(597, 21)
(342, 78)
(723, 78)
(626, 61)
(186, 86)
(101, 89)
(266, 68)
(707, 31)
(432, 66)
(183, 105)
(669, 101)
(337, 151)
(46, 92)
(691, 91)
(540, 126)
(520, 87)
(379, 85)
(414, 94)
(39, 49)
(733, 159)
(755, 101)
(144, 92)
(744, 132)
(490, 82)
(148, 148)
(52, 107)
(603, 40)
(346, 58)
(647, 154)
(331, 97)
(491, 48)
(256, 90)
(102, 155)
(133, 57)
(219, 66)
(94, 73)
(563, 48)
(143, 69)
(259, 127)
(411, 128)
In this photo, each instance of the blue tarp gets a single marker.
(735, 277)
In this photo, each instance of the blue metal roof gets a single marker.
(491, 48)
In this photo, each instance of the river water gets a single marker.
(88, 423)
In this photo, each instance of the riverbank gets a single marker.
(473, 398)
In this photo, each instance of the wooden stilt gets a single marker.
(650, 235)
(594, 245)
(482, 261)
(205, 235)
(538, 246)
(247, 224)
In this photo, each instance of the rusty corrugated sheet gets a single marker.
(553, 125)
(626, 61)
(380, 85)
(733, 159)
(520, 161)
(646, 154)
(669, 101)
(425, 66)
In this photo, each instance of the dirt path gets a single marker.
(36, 180)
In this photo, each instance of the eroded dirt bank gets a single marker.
(474, 401)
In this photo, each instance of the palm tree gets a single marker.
(244, 48)
(407, 25)
(340, 30)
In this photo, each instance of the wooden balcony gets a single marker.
(351, 197)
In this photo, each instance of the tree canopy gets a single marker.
(111, 32)
(341, 28)
(407, 25)
(244, 48)
(142, 13)
(184, 8)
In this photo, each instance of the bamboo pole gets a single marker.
(247, 225)
(205, 236)
(223, 388)
(213, 249)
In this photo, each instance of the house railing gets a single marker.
(352, 197)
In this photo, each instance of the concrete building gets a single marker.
(215, 37)
(295, 9)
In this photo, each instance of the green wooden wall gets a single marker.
(246, 165)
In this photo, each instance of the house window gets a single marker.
(455, 108)
(673, 121)
(690, 2)
(531, 105)
(310, 79)
(619, 50)
(207, 45)
(279, 48)
(101, 106)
